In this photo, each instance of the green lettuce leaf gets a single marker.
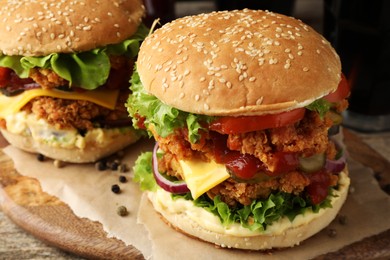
(320, 106)
(143, 172)
(260, 213)
(256, 216)
(87, 70)
(164, 118)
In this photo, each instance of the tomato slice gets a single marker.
(244, 124)
(341, 92)
(4, 75)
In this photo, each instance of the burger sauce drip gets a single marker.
(140, 121)
(319, 186)
(246, 166)
(243, 166)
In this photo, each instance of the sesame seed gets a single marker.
(229, 84)
(305, 69)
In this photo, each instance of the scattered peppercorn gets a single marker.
(122, 211)
(332, 232)
(115, 188)
(40, 157)
(342, 219)
(122, 179)
(58, 163)
(100, 166)
(114, 166)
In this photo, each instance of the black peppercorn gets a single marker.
(40, 157)
(114, 166)
(115, 188)
(100, 166)
(342, 219)
(122, 211)
(122, 179)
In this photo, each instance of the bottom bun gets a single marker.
(85, 151)
(184, 216)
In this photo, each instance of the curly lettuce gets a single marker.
(321, 106)
(255, 217)
(88, 70)
(165, 119)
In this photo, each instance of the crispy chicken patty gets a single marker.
(79, 114)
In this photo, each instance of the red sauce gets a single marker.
(284, 162)
(5, 75)
(140, 121)
(246, 166)
(319, 186)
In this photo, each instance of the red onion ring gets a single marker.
(336, 166)
(177, 187)
(33, 85)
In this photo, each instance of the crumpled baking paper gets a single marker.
(88, 193)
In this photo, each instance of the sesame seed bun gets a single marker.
(282, 233)
(241, 62)
(32, 28)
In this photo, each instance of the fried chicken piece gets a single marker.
(79, 114)
(233, 192)
(47, 78)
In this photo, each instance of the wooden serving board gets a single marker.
(52, 221)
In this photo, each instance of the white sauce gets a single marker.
(164, 202)
(29, 125)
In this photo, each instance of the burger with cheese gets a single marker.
(243, 106)
(64, 75)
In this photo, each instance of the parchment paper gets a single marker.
(88, 193)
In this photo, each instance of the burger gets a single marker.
(64, 76)
(244, 106)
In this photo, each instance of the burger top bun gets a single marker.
(241, 62)
(34, 28)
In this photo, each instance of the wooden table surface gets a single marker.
(15, 243)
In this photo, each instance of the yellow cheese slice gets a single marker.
(103, 97)
(202, 176)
